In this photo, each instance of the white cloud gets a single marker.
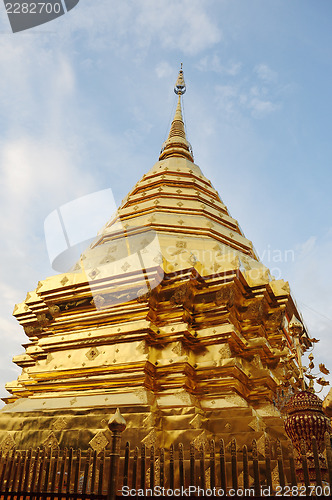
(307, 247)
(227, 97)
(213, 63)
(265, 73)
(164, 70)
(188, 29)
(135, 26)
(256, 96)
(234, 100)
(261, 108)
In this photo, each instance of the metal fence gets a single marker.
(49, 473)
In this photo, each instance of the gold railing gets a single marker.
(223, 470)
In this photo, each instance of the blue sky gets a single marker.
(86, 102)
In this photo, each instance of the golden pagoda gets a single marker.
(169, 315)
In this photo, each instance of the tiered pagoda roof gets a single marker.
(169, 315)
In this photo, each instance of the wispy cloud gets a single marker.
(235, 100)
(260, 107)
(212, 62)
(133, 26)
(258, 95)
(164, 70)
(265, 73)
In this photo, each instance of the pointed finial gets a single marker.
(295, 324)
(117, 423)
(180, 86)
(177, 144)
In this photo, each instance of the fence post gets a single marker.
(116, 425)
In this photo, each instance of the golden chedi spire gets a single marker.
(169, 316)
(177, 144)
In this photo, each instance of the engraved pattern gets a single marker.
(157, 471)
(305, 418)
(125, 267)
(150, 439)
(200, 440)
(42, 319)
(256, 425)
(7, 444)
(184, 396)
(255, 311)
(235, 400)
(261, 445)
(92, 353)
(225, 296)
(179, 349)
(94, 273)
(208, 478)
(180, 295)
(59, 424)
(276, 318)
(54, 310)
(51, 441)
(29, 329)
(144, 396)
(99, 442)
(275, 476)
(269, 411)
(225, 351)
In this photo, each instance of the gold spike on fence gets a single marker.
(33, 474)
